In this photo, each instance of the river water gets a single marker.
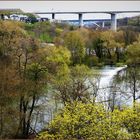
(107, 90)
(107, 74)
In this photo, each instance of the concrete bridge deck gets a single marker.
(88, 12)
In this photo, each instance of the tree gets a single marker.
(120, 45)
(130, 36)
(31, 18)
(33, 79)
(94, 51)
(133, 55)
(71, 84)
(108, 44)
(22, 76)
(56, 57)
(74, 42)
(91, 38)
(35, 82)
(10, 36)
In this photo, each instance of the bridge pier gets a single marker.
(80, 20)
(53, 15)
(103, 24)
(113, 22)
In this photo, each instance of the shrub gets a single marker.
(86, 121)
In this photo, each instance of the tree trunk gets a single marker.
(30, 114)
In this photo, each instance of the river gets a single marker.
(108, 92)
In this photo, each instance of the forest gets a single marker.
(53, 62)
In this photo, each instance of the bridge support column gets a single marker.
(113, 22)
(53, 15)
(103, 24)
(80, 20)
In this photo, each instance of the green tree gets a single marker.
(109, 45)
(22, 76)
(70, 84)
(32, 75)
(11, 34)
(119, 45)
(133, 60)
(85, 121)
(56, 57)
(133, 53)
(74, 42)
(130, 36)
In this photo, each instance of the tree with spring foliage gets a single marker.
(70, 83)
(75, 43)
(86, 121)
(11, 34)
(32, 73)
(22, 77)
(133, 55)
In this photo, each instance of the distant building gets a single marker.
(18, 17)
(14, 17)
(6, 17)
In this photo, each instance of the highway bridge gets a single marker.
(80, 15)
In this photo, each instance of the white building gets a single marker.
(18, 17)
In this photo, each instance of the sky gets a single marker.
(50, 6)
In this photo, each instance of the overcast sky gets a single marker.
(49, 6)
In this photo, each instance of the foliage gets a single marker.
(74, 42)
(70, 84)
(56, 57)
(22, 78)
(133, 53)
(31, 18)
(92, 61)
(131, 121)
(45, 38)
(86, 121)
(130, 36)
(45, 31)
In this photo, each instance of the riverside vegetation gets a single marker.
(31, 68)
